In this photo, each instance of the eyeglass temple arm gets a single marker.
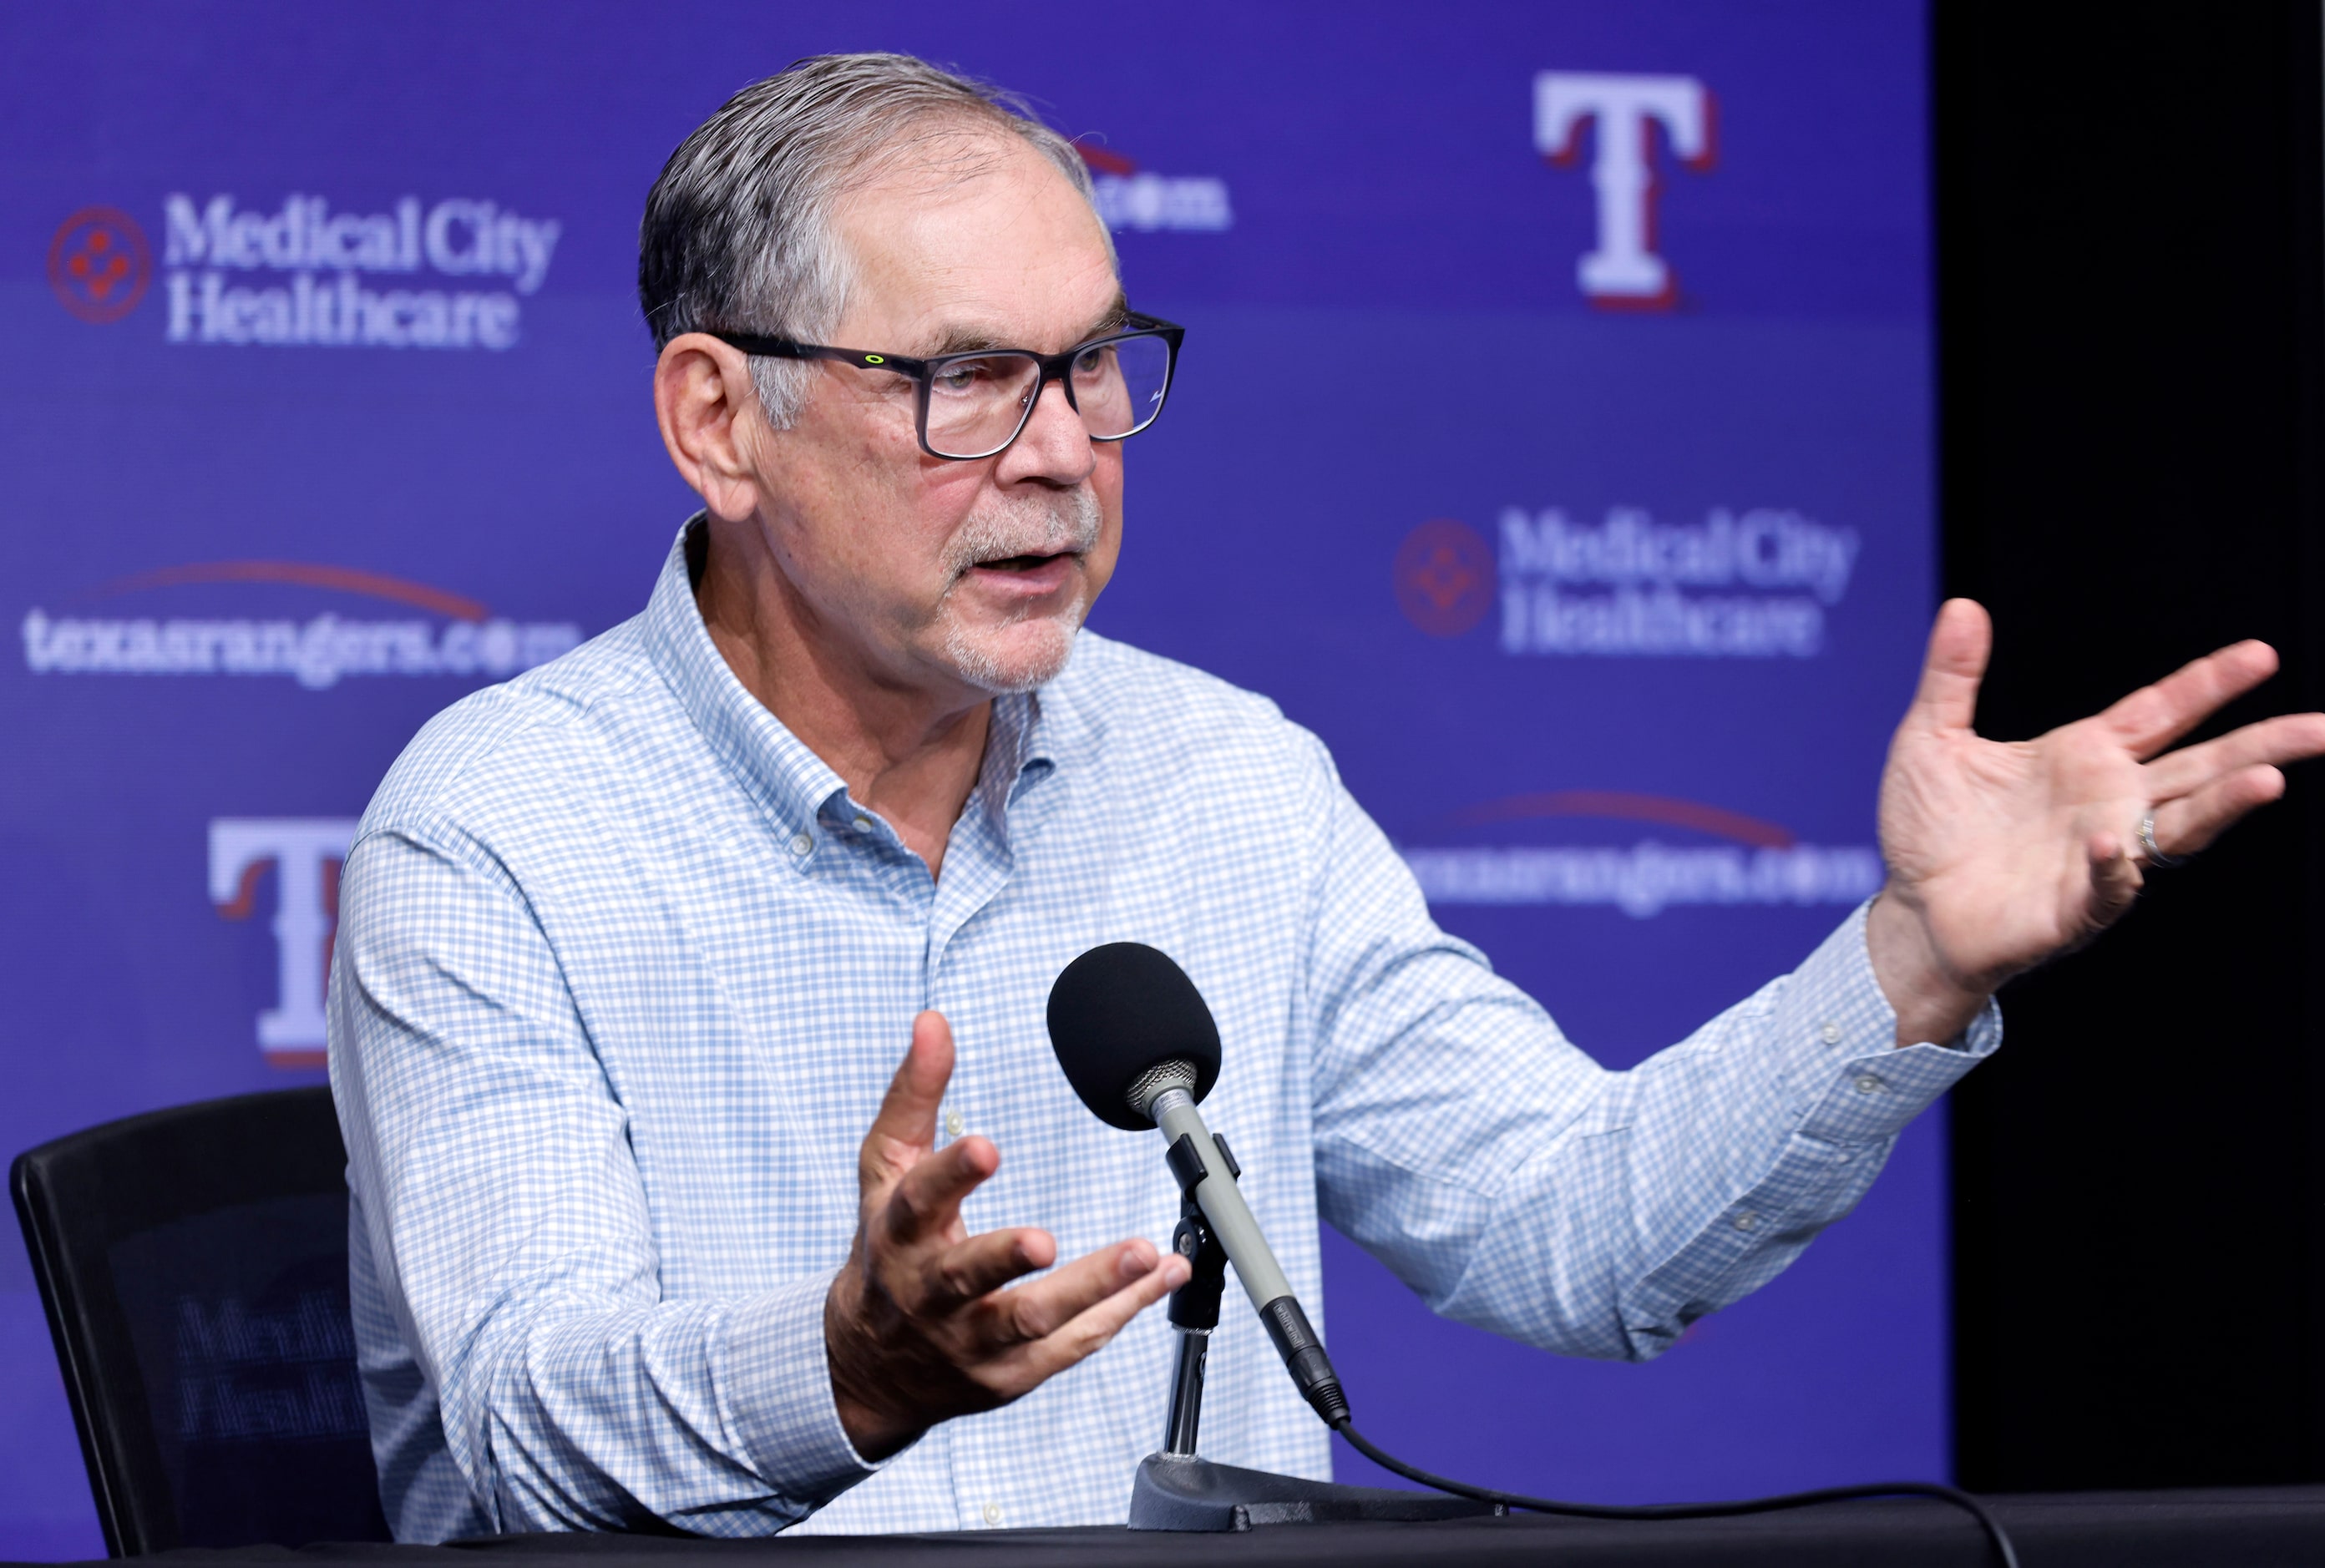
(1052, 365)
(785, 348)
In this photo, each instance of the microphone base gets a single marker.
(1177, 1491)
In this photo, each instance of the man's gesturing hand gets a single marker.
(917, 1326)
(2001, 855)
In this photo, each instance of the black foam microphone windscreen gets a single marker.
(1120, 1009)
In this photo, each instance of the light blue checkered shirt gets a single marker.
(623, 972)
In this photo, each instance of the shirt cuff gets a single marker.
(779, 1379)
(1836, 1034)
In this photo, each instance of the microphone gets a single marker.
(1139, 1045)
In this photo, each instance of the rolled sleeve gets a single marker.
(1832, 1034)
(1849, 1091)
(508, 1226)
(783, 1407)
(1520, 1187)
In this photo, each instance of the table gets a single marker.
(2242, 1528)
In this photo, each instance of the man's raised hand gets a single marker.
(2002, 854)
(917, 1325)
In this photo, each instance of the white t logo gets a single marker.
(1624, 271)
(305, 852)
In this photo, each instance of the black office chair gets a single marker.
(194, 1265)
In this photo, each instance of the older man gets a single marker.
(629, 945)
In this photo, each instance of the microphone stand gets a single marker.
(1178, 1489)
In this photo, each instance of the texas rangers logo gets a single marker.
(1623, 271)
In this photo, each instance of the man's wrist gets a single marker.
(873, 1425)
(868, 1428)
(1933, 1003)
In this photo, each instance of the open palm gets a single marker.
(2004, 854)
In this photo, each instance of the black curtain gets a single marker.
(2130, 285)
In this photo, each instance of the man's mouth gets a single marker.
(1026, 580)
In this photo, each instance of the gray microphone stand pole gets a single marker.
(1177, 1489)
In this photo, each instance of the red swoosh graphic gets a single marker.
(1626, 807)
(306, 575)
(1106, 161)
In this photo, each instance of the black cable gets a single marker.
(1924, 1488)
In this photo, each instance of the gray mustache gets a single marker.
(986, 538)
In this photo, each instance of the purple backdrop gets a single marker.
(1603, 570)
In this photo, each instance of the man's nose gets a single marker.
(1054, 447)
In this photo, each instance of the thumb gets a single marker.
(1946, 699)
(906, 1124)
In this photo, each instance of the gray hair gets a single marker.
(738, 235)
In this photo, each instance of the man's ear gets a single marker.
(705, 407)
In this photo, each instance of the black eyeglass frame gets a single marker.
(923, 372)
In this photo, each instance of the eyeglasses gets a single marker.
(973, 405)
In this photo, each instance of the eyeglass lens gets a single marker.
(976, 404)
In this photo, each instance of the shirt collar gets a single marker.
(1018, 754)
(775, 765)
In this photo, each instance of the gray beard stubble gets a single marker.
(1070, 523)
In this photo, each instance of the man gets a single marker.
(629, 945)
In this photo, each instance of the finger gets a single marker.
(2192, 822)
(2286, 738)
(2154, 716)
(1038, 1309)
(983, 1264)
(1089, 1330)
(927, 1198)
(2115, 880)
(1959, 642)
(906, 1123)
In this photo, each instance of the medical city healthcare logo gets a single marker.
(99, 263)
(1444, 577)
(448, 274)
(1622, 271)
(1750, 583)
(456, 636)
(326, 264)
(1630, 585)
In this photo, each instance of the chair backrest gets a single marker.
(194, 1265)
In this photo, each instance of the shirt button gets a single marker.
(801, 843)
(1866, 1084)
(1831, 1032)
(953, 1125)
(993, 1513)
(1745, 1219)
(863, 825)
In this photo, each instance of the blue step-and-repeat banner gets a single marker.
(326, 402)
